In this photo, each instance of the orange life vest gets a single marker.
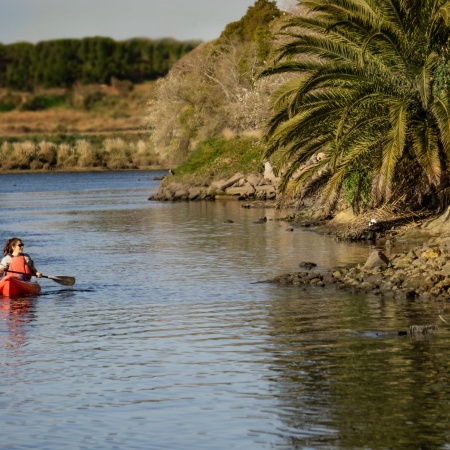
(18, 264)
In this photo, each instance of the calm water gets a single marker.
(167, 342)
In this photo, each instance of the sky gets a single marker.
(42, 20)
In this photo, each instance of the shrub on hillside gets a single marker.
(216, 87)
(42, 102)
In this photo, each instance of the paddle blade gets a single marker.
(66, 281)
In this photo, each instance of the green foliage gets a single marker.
(220, 157)
(6, 106)
(441, 79)
(64, 62)
(258, 16)
(214, 90)
(362, 89)
(42, 102)
(357, 187)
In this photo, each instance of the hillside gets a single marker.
(214, 91)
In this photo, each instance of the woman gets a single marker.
(17, 261)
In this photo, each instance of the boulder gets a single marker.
(222, 185)
(267, 192)
(255, 179)
(431, 253)
(194, 193)
(376, 259)
(244, 191)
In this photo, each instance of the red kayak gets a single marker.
(11, 286)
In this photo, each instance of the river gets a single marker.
(168, 340)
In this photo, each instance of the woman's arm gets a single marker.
(29, 262)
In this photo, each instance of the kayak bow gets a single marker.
(11, 286)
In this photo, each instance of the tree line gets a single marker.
(64, 62)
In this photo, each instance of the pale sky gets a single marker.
(42, 20)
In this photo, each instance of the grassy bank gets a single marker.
(221, 158)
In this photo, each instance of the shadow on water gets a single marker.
(65, 292)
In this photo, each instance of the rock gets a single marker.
(243, 191)
(194, 193)
(254, 179)
(307, 265)
(222, 185)
(431, 253)
(337, 274)
(262, 220)
(376, 259)
(265, 192)
(446, 269)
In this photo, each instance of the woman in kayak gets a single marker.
(17, 261)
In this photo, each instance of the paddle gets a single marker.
(66, 281)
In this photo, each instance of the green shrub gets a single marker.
(45, 101)
(6, 106)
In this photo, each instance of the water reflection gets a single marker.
(16, 315)
(343, 386)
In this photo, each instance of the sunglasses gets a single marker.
(19, 245)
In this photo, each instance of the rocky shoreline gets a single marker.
(255, 186)
(422, 272)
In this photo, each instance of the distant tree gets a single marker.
(65, 62)
(55, 63)
(19, 59)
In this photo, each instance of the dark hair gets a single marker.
(10, 243)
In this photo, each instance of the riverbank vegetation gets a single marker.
(80, 152)
(359, 105)
(95, 126)
(370, 94)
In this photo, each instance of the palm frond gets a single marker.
(426, 148)
(441, 112)
(392, 148)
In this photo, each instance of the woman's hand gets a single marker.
(39, 274)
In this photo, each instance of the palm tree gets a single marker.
(368, 94)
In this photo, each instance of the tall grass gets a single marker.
(83, 153)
